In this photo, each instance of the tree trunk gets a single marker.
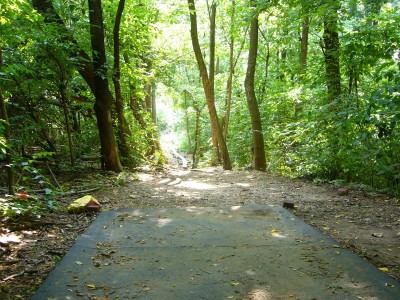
(153, 102)
(207, 87)
(332, 48)
(64, 100)
(92, 72)
(258, 139)
(304, 42)
(123, 128)
(187, 121)
(7, 135)
(102, 107)
(216, 158)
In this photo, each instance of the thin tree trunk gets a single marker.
(207, 87)
(304, 42)
(216, 158)
(332, 48)
(64, 100)
(153, 102)
(102, 107)
(258, 139)
(187, 121)
(7, 135)
(123, 129)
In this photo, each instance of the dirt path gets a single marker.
(367, 223)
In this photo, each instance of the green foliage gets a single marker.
(355, 137)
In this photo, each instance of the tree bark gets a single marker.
(64, 99)
(187, 121)
(123, 128)
(332, 48)
(258, 138)
(208, 90)
(7, 135)
(102, 107)
(92, 72)
(216, 158)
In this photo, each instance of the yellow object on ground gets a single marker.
(83, 204)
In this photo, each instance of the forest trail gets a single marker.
(365, 222)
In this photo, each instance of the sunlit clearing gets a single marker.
(163, 222)
(196, 185)
(242, 184)
(278, 235)
(235, 207)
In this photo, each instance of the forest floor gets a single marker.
(366, 222)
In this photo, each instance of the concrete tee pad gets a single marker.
(257, 252)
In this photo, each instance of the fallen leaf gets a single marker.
(384, 269)
(234, 283)
(274, 230)
(91, 286)
(79, 263)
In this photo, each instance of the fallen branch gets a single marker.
(12, 276)
(82, 191)
(52, 174)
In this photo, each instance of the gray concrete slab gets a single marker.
(261, 252)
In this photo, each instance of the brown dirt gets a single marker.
(368, 223)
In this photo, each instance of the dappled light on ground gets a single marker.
(196, 185)
(259, 294)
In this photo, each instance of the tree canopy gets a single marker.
(114, 79)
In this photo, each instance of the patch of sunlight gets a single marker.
(259, 294)
(237, 207)
(251, 272)
(10, 239)
(165, 180)
(175, 182)
(242, 184)
(163, 222)
(179, 172)
(145, 177)
(278, 235)
(197, 210)
(196, 185)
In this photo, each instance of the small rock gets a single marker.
(342, 191)
(288, 204)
